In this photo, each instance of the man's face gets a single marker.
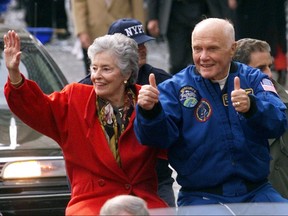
(212, 53)
(142, 51)
(262, 61)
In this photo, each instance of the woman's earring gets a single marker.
(125, 82)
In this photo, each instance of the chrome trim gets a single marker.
(25, 158)
(35, 196)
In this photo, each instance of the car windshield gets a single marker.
(14, 134)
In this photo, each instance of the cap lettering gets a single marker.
(138, 29)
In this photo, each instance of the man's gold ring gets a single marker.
(237, 103)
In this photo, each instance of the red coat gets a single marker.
(70, 118)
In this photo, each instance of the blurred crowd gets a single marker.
(37, 13)
(170, 20)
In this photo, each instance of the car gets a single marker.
(33, 178)
(232, 209)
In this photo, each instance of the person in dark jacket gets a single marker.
(265, 20)
(133, 28)
(174, 20)
(256, 53)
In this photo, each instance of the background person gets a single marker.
(133, 28)
(256, 53)
(102, 155)
(93, 18)
(265, 20)
(175, 20)
(222, 9)
(215, 119)
(48, 13)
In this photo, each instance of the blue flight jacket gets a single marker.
(208, 142)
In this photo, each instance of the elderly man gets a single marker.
(214, 118)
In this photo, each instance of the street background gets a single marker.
(67, 54)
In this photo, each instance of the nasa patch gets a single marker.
(188, 96)
(203, 111)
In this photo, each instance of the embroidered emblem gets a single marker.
(225, 99)
(268, 85)
(188, 96)
(203, 111)
(249, 91)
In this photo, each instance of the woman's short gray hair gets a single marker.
(123, 48)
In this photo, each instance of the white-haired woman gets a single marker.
(92, 124)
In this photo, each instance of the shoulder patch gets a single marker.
(267, 85)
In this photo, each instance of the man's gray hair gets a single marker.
(246, 46)
(125, 205)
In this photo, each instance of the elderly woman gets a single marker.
(92, 124)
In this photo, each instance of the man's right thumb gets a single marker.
(152, 80)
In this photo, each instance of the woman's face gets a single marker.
(107, 78)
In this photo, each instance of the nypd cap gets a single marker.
(131, 28)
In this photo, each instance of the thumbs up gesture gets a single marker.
(239, 98)
(148, 94)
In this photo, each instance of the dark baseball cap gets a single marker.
(132, 28)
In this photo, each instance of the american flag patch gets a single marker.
(268, 85)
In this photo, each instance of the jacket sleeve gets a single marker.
(153, 9)
(80, 16)
(156, 127)
(268, 117)
(43, 113)
(138, 10)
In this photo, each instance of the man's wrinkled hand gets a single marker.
(148, 94)
(239, 98)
